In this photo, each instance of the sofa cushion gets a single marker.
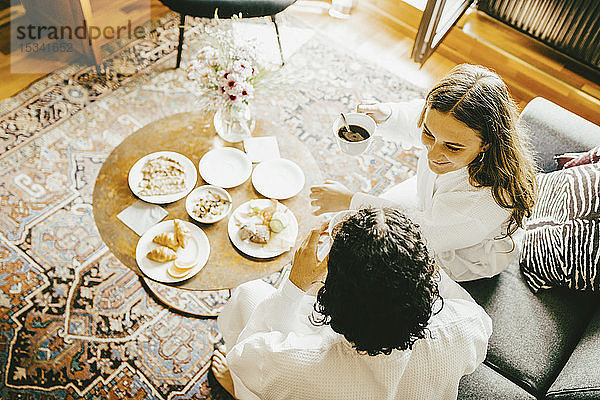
(485, 383)
(570, 160)
(555, 130)
(589, 157)
(580, 378)
(533, 334)
(562, 238)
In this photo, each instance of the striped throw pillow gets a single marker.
(561, 246)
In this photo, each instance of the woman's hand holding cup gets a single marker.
(380, 112)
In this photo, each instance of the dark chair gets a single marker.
(226, 9)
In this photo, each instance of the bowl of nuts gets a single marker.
(208, 204)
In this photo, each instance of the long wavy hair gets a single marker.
(381, 283)
(479, 98)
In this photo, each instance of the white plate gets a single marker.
(278, 178)
(135, 177)
(255, 249)
(225, 167)
(195, 195)
(158, 271)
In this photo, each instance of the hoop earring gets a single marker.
(481, 157)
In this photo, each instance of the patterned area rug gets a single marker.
(74, 322)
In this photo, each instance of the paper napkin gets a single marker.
(141, 216)
(262, 148)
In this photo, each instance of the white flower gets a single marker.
(225, 72)
(243, 68)
(231, 98)
(209, 54)
(246, 91)
(229, 80)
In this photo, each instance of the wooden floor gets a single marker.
(383, 31)
(104, 13)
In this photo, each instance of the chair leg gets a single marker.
(278, 40)
(180, 45)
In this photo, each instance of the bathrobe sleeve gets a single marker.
(454, 221)
(402, 125)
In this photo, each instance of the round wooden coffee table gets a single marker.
(192, 134)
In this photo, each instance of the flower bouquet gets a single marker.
(225, 75)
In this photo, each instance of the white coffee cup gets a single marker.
(326, 238)
(337, 219)
(362, 120)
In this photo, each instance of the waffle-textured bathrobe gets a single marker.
(274, 352)
(463, 225)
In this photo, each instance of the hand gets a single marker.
(380, 112)
(306, 269)
(330, 196)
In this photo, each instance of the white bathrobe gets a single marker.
(276, 353)
(462, 224)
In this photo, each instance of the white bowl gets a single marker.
(195, 195)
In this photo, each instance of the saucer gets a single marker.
(225, 167)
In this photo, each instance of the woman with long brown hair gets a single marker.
(475, 180)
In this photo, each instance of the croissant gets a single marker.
(167, 239)
(161, 254)
(182, 232)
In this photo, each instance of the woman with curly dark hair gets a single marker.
(385, 324)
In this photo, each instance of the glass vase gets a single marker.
(234, 124)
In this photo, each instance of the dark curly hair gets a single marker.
(381, 282)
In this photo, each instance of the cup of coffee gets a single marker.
(326, 238)
(357, 141)
(337, 219)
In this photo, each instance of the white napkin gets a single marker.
(262, 148)
(141, 216)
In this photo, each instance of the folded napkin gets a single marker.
(141, 216)
(262, 148)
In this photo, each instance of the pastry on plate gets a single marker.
(167, 239)
(256, 233)
(162, 175)
(182, 232)
(161, 254)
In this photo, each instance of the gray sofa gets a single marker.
(544, 346)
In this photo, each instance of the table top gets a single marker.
(193, 134)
